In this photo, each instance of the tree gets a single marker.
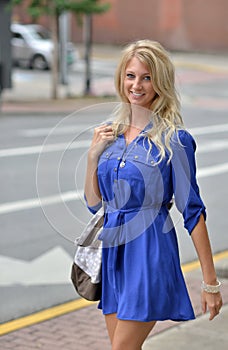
(54, 8)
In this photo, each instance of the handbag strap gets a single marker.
(91, 231)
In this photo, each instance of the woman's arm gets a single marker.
(203, 248)
(92, 192)
(103, 135)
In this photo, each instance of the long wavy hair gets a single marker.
(165, 106)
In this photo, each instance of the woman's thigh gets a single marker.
(127, 335)
(111, 323)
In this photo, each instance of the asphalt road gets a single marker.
(37, 241)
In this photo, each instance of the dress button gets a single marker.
(115, 169)
(107, 154)
(136, 157)
(118, 158)
(152, 162)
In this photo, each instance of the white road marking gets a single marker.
(212, 170)
(70, 129)
(33, 203)
(35, 272)
(208, 129)
(212, 146)
(56, 147)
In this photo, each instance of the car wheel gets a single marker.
(39, 62)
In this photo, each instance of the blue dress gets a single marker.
(141, 274)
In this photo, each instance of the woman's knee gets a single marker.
(130, 335)
(124, 341)
(124, 344)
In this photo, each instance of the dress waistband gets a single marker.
(110, 209)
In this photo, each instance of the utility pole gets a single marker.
(88, 49)
(64, 21)
(55, 56)
(5, 47)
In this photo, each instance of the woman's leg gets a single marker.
(127, 335)
(111, 323)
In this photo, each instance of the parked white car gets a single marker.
(33, 48)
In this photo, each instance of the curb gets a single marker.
(221, 268)
(51, 107)
(43, 315)
(62, 309)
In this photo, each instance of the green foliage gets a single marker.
(87, 6)
(36, 8)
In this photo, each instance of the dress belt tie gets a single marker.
(109, 209)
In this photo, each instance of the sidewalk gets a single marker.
(85, 328)
(194, 335)
(200, 333)
(27, 97)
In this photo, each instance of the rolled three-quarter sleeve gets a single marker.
(186, 190)
(95, 208)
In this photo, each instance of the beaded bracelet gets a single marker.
(211, 289)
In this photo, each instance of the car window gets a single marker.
(39, 34)
(43, 34)
(17, 36)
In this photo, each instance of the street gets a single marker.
(43, 157)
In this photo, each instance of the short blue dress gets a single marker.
(141, 273)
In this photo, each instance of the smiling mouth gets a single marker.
(137, 94)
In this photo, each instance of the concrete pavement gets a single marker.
(200, 333)
(194, 335)
(83, 328)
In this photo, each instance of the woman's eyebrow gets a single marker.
(130, 71)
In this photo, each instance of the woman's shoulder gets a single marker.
(183, 137)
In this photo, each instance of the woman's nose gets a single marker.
(137, 84)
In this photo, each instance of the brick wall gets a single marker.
(178, 24)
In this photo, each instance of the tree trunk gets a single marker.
(54, 67)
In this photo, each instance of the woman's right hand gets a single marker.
(103, 135)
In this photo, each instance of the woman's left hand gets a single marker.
(212, 302)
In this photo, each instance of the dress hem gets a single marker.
(151, 319)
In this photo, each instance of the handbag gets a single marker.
(86, 268)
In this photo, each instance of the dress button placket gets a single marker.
(116, 170)
(122, 163)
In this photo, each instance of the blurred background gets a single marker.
(55, 34)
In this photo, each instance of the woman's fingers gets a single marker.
(103, 135)
(213, 302)
(105, 132)
(203, 303)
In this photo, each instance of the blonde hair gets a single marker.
(165, 106)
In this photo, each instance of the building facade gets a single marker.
(192, 25)
(178, 24)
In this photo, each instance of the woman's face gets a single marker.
(138, 86)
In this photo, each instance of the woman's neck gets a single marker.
(140, 117)
(133, 131)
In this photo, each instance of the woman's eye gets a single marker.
(147, 77)
(130, 76)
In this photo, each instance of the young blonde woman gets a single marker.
(136, 165)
